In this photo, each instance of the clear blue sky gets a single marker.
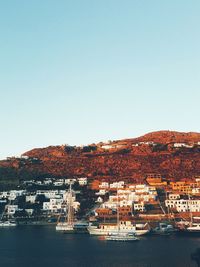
(77, 72)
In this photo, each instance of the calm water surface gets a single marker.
(43, 246)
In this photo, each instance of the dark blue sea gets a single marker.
(42, 246)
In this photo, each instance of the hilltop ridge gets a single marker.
(175, 155)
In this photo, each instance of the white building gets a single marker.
(173, 196)
(49, 193)
(107, 147)
(82, 181)
(101, 192)
(31, 198)
(70, 181)
(117, 185)
(139, 207)
(99, 200)
(4, 194)
(11, 209)
(29, 211)
(179, 145)
(104, 185)
(59, 183)
(57, 205)
(184, 205)
(13, 194)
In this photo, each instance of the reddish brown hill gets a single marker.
(170, 137)
(130, 158)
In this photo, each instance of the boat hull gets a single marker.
(105, 232)
(188, 232)
(64, 227)
(121, 238)
(7, 224)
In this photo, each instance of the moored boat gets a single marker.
(164, 229)
(122, 237)
(188, 228)
(8, 224)
(67, 226)
(123, 227)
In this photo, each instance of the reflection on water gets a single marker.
(195, 256)
(43, 246)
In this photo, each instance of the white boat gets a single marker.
(7, 224)
(125, 227)
(65, 227)
(122, 237)
(186, 227)
(194, 228)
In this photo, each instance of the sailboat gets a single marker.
(68, 225)
(120, 235)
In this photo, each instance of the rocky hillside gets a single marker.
(174, 155)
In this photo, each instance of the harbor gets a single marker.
(43, 246)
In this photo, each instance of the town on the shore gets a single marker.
(45, 201)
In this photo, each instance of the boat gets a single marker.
(164, 229)
(186, 227)
(67, 226)
(80, 227)
(125, 227)
(8, 223)
(193, 228)
(122, 237)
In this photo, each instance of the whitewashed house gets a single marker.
(184, 205)
(99, 200)
(139, 207)
(31, 198)
(11, 209)
(104, 185)
(82, 181)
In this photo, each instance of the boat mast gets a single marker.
(191, 219)
(70, 209)
(118, 224)
(167, 205)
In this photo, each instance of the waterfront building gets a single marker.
(183, 205)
